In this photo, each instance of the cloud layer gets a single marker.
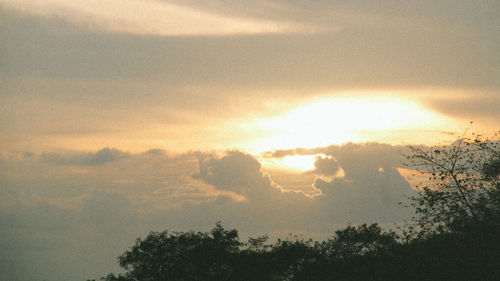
(96, 204)
(73, 86)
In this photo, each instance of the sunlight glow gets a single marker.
(339, 120)
(297, 163)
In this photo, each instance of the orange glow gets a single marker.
(329, 121)
(297, 163)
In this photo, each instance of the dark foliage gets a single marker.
(462, 186)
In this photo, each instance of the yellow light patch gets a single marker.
(296, 163)
(339, 120)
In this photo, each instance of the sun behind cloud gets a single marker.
(291, 163)
(336, 120)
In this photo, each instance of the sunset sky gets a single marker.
(118, 117)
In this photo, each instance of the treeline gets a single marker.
(354, 253)
(455, 235)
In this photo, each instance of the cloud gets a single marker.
(267, 205)
(98, 210)
(326, 166)
(358, 160)
(370, 185)
(158, 18)
(101, 157)
(69, 86)
(475, 106)
(349, 153)
(369, 189)
(363, 55)
(236, 171)
(109, 212)
(44, 241)
(280, 153)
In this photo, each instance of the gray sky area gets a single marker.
(118, 117)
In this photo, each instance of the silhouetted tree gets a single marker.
(113, 277)
(351, 254)
(462, 186)
(357, 241)
(181, 256)
(255, 262)
(290, 256)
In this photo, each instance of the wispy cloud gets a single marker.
(149, 17)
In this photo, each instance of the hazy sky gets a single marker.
(118, 117)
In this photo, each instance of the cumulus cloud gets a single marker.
(373, 197)
(326, 166)
(352, 156)
(236, 171)
(369, 188)
(360, 160)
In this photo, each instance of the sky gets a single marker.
(118, 117)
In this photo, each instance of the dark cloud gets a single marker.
(326, 166)
(102, 156)
(360, 160)
(372, 186)
(268, 205)
(392, 153)
(280, 153)
(369, 191)
(236, 171)
(365, 201)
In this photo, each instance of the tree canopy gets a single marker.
(462, 186)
